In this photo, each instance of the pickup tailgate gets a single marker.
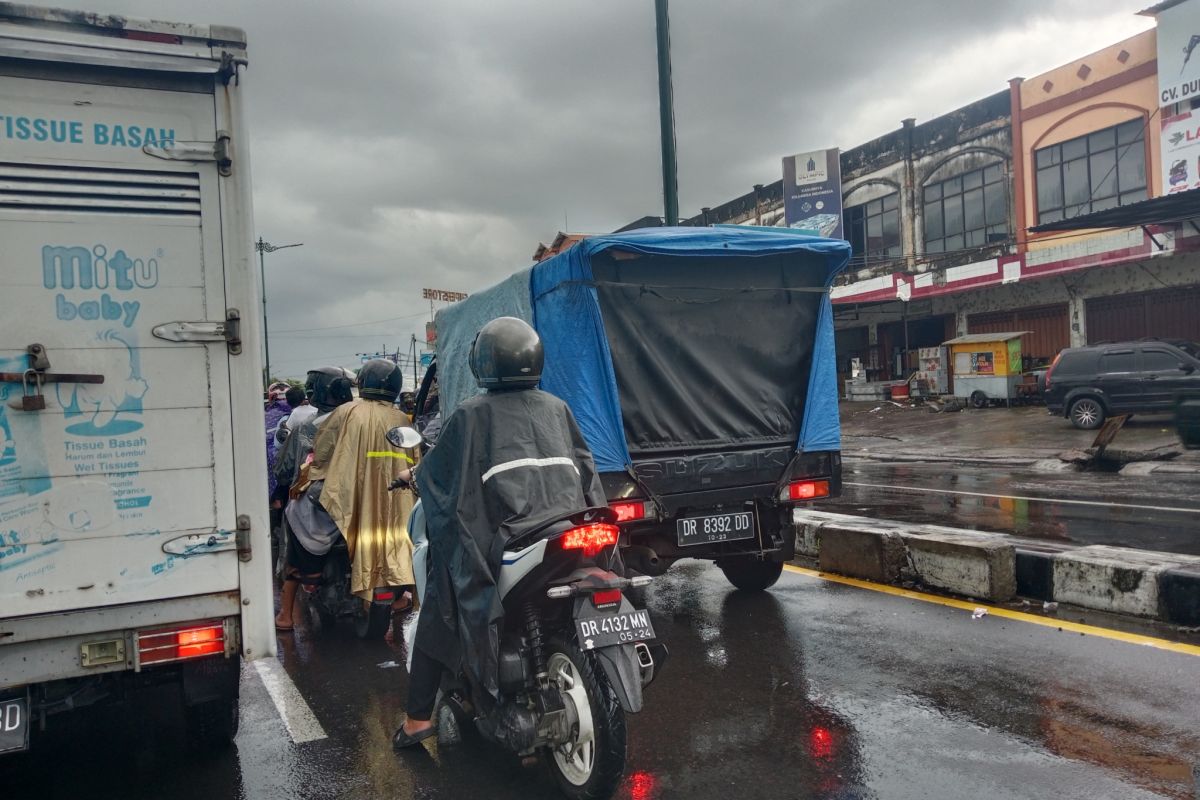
(120, 491)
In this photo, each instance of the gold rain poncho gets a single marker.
(353, 455)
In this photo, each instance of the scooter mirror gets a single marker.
(404, 437)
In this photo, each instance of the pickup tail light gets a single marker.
(629, 510)
(384, 595)
(180, 642)
(591, 539)
(606, 598)
(799, 491)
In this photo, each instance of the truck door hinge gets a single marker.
(244, 548)
(229, 331)
(220, 151)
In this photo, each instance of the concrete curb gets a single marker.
(997, 567)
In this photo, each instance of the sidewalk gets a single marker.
(1022, 436)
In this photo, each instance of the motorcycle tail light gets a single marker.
(609, 597)
(629, 510)
(805, 490)
(591, 539)
(382, 595)
(180, 642)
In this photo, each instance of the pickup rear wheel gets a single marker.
(751, 574)
(1087, 413)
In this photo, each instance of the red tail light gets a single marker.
(611, 597)
(384, 594)
(629, 510)
(805, 490)
(591, 539)
(181, 642)
(1046, 377)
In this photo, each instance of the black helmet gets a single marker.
(507, 354)
(329, 387)
(380, 379)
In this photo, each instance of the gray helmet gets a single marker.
(329, 387)
(507, 354)
(380, 379)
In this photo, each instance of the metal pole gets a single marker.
(666, 114)
(262, 274)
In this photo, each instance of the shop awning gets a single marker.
(1156, 211)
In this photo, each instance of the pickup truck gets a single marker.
(134, 545)
(699, 364)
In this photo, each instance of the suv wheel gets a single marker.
(1087, 413)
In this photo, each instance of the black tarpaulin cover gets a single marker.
(709, 352)
(505, 464)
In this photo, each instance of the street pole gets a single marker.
(666, 114)
(266, 247)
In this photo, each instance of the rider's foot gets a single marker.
(283, 623)
(412, 733)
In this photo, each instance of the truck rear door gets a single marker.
(120, 491)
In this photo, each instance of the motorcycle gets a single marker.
(575, 652)
(331, 599)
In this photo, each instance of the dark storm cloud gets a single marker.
(434, 144)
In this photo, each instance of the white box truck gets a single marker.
(134, 549)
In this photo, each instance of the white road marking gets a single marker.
(297, 717)
(1064, 501)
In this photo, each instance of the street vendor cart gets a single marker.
(986, 367)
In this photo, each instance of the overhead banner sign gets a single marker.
(1179, 52)
(1180, 160)
(443, 294)
(812, 192)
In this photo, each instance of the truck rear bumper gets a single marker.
(47, 647)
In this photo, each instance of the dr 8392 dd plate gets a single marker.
(727, 527)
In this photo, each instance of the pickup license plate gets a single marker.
(715, 528)
(14, 725)
(606, 630)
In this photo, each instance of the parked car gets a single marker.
(1089, 384)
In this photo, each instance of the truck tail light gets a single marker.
(629, 510)
(799, 491)
(180, 642)
(591, 539)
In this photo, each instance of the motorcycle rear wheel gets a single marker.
(592, 764)
(372, 622)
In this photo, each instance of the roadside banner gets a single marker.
(1180, 139)
(812, 192)
(1178, 52)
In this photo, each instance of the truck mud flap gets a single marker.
(208, 679)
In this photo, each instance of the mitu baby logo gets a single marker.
(107, 405)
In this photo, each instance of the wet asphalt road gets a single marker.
(813, 690)
(1151, 513)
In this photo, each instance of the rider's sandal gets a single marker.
(402, 740)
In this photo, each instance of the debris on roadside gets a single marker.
(1049, 606)
(388, 665)
(979, 613)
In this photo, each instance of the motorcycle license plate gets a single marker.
(14, 724)
(606, 630)
(715, 528)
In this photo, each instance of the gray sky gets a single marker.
(412, 144)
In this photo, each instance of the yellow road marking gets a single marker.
(1004, 613)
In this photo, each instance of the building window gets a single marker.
(1094, 172)
(969, 210)
(873, 229)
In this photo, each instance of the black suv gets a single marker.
(1087, 384)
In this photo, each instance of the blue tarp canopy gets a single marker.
(559, 298)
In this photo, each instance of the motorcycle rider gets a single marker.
(507, 462)
(310, 531)
(358, 465)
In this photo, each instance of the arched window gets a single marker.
(968, 210)
(1089, 173)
